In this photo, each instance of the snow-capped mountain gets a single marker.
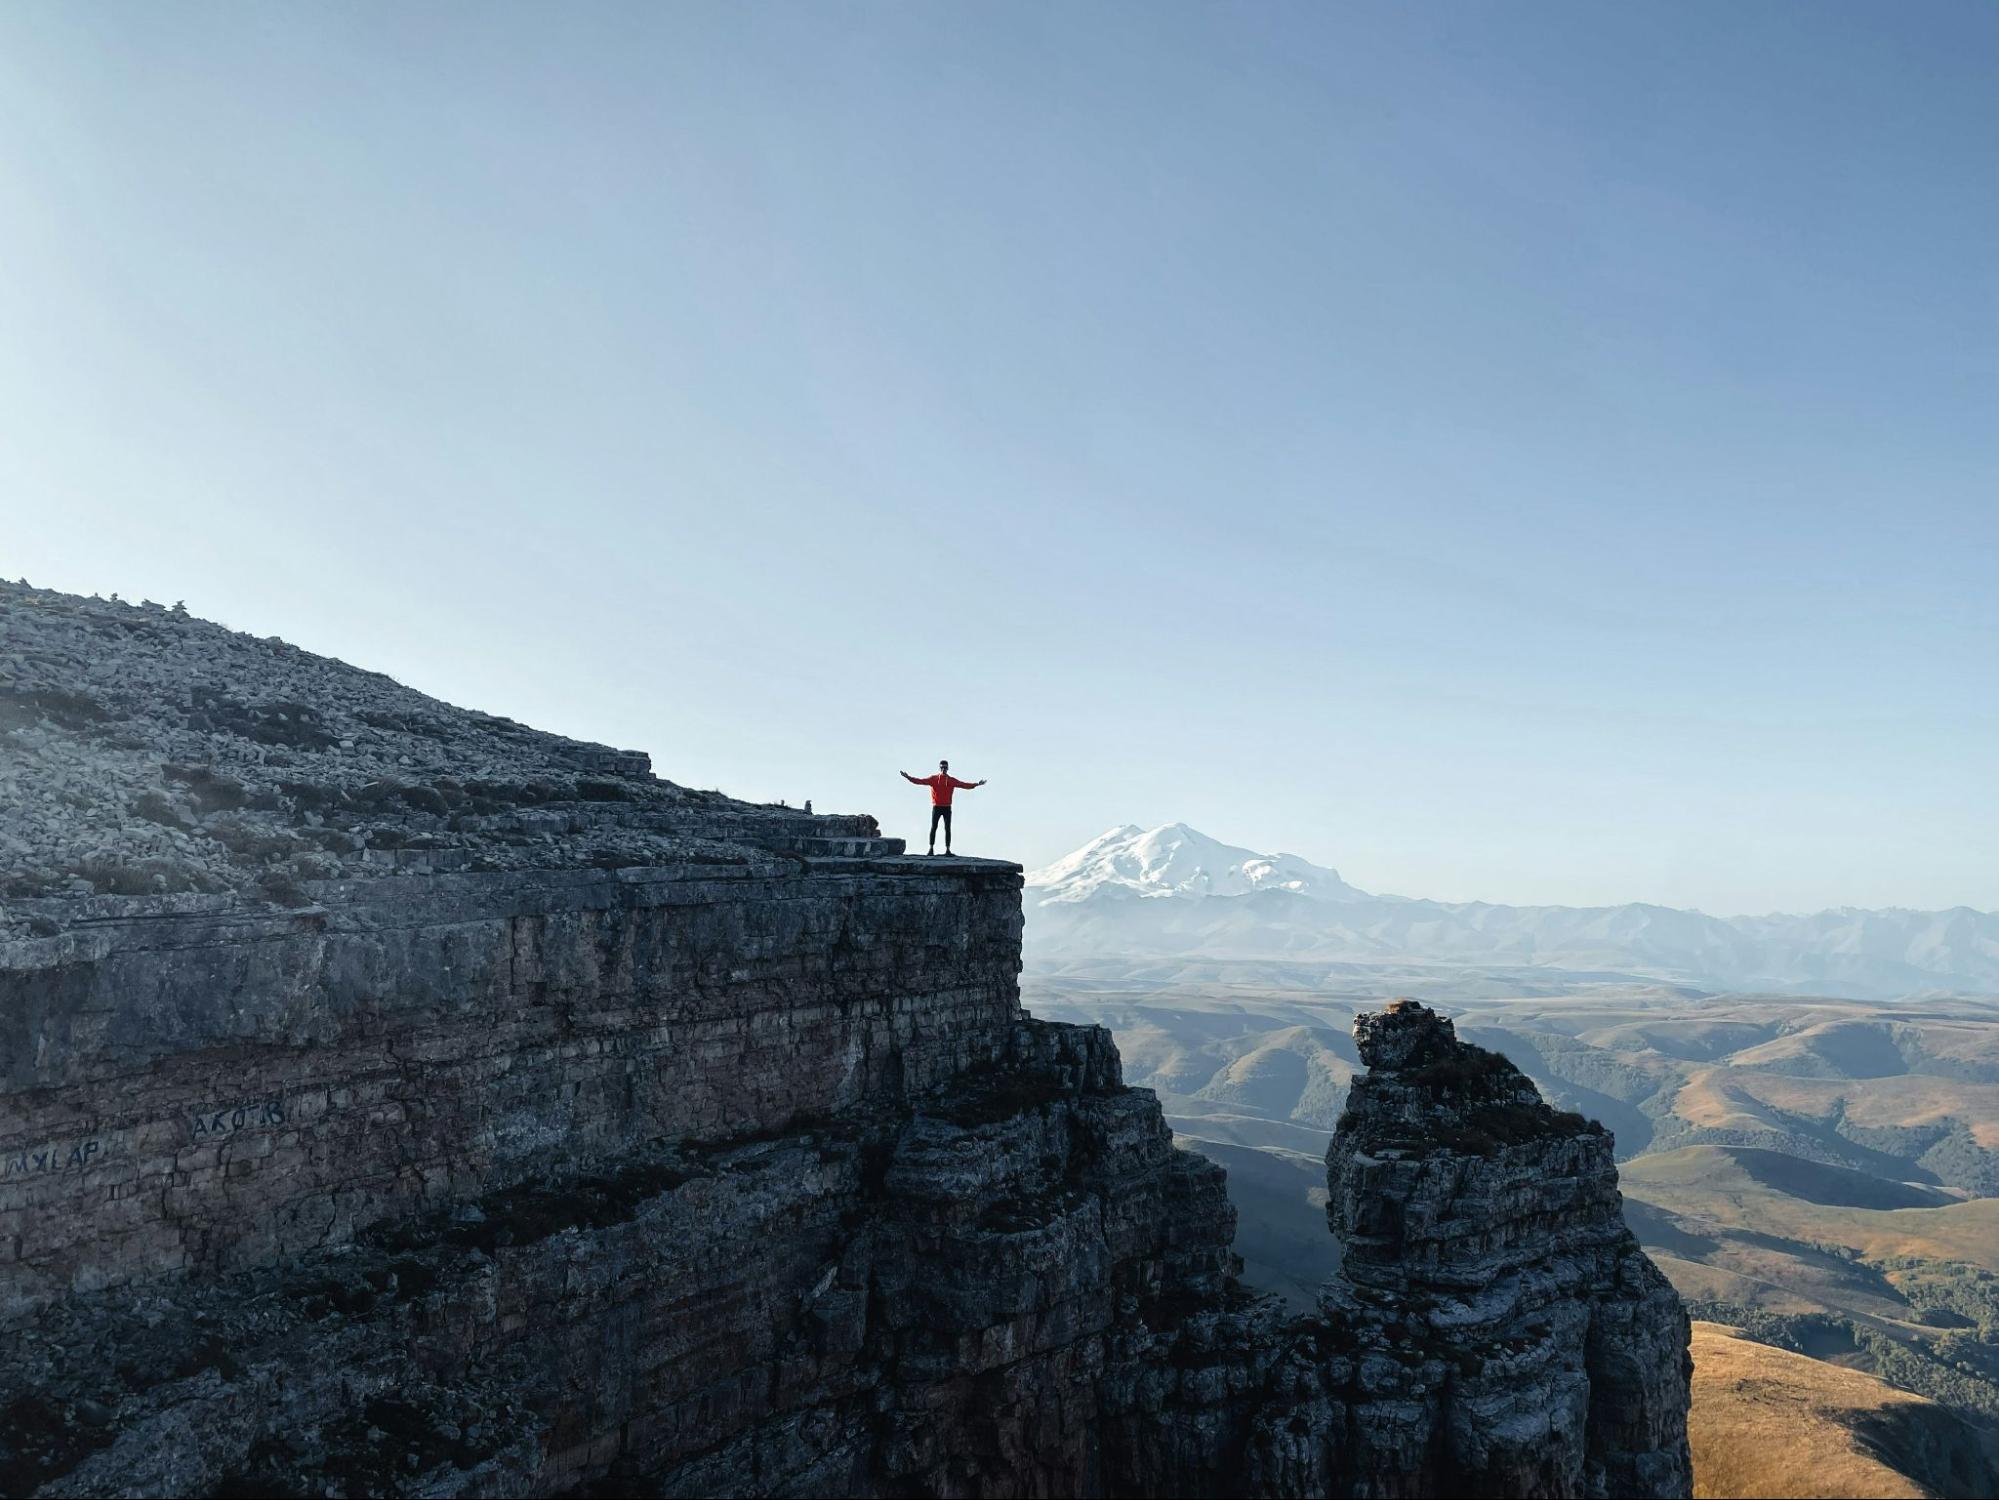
(1174, 893)
(1175, 860)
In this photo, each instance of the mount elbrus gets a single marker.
(397, 1100)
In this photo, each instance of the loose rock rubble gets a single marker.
(145, 751)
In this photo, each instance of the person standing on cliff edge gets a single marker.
(941, 786)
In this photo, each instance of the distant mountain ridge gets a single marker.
(1175, 891)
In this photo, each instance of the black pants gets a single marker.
(940, 815)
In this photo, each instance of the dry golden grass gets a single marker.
(1968, 1042)
(1769, 1422)
(1708, 1283)
(1722, 1099)
(1740, 1098)
(1703, 1184)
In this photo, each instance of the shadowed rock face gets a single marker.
(1485, 1251)
(734, 1169)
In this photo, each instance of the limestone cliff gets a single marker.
(395, 1100)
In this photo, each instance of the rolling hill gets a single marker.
(1767, 1422)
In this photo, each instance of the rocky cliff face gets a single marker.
(396, 1100)
(1484, 1236)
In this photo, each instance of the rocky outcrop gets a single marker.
(149, 752)
(1485, 1250)
(558, 1130)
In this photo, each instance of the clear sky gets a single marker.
(1532, 452)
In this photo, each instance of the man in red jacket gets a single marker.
(941, 786)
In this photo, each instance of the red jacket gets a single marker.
(940, 786)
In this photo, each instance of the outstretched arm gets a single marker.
(907, 777)
(965, 786)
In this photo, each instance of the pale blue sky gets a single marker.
(1531, 452)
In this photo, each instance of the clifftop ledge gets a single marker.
(396, 1100)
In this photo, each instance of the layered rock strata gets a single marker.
(1485, 1251)
(638, 1141)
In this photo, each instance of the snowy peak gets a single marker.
(1175, 860)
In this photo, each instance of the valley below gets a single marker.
(1818, 1176)
(1810, 1174)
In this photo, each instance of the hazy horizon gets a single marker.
(1535, 456)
